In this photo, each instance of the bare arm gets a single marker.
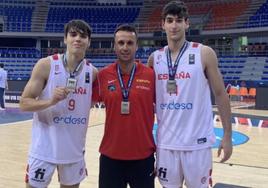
(150, 61)
(210, 64)
(95, 72)
(95, 87)
(29, 100)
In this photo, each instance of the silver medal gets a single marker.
(125, 107)
(171, 86)
(71, 84)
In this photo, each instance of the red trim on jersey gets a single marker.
(127, 137)
(55, 57)
(210, 178)
(162, 49)
(195, 45)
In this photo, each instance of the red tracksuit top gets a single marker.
(127, 137)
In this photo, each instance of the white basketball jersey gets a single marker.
(184, 118)
(59, 132)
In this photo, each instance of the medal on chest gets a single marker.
(71, 84)
(171, 86)
(125, 103)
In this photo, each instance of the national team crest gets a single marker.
(111, 87)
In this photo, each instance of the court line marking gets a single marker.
(243, 165)
(99, 124)
(16, 122)
(230, 164)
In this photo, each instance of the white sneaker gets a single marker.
(2, 108)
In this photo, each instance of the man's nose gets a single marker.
(174, 23)
(78, 37)
(125, 46)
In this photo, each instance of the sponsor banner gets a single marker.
(12, 98)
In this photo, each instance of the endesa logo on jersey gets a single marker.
(181, 75)
(176, 106)
(70, 120)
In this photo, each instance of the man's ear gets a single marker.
(187, 22)
(65, 40)
(89, 42)
(163, 24)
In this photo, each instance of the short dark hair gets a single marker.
(79, 26)
(1, 65)
(128, 28)
(176, 8)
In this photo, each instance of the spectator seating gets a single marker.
(18, 17)
(231, 67)
(260, 18)
(19, 68)
(252, 92)
(101, 19)
(19, 53)
(19, 61)
(223, 15)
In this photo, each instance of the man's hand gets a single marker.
(59, 94)
(226, 145)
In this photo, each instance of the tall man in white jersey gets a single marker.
(185, 71)
(59, 93)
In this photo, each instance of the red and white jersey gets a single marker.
(59, 132)
(185, 120)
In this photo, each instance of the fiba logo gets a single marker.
(39, 175)
(162, 173)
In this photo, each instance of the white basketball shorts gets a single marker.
(39, 173)
(192, 167)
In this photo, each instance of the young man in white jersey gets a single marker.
(185, 71)
(59, 93)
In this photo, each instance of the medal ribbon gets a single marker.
(172, 70)
(125, 91)
(72, 74)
